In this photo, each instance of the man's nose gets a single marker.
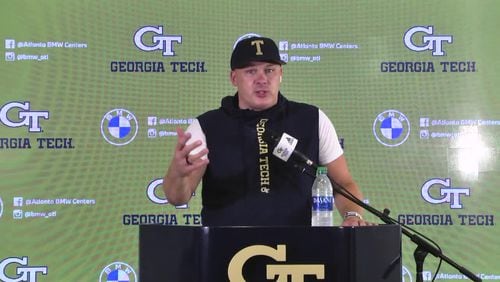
(261, 77)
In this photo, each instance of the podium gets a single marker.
(214, 254)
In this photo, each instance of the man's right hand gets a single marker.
(188, 157)
(186, 169)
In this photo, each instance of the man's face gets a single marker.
(258, 85)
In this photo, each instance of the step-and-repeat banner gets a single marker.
(91, 93)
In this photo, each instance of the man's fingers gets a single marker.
(182, 138)
(194, 158)
(188, 148)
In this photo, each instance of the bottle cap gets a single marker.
(321, 170)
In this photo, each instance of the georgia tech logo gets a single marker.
(429, 42)
(25, 117)
(391, 128)
(159, 41)
(447, 193)
(151, 192)
(118, 271)
(283, 271)
(153, 197)
(25, 273)
(406, 275)
(119, 127)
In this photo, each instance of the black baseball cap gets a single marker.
(255, 49)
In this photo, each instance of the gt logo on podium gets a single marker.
(283, 271)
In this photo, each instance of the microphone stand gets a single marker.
(423, 246)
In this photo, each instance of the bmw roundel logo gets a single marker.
(118, 272)
(119, 127)
(391, 128)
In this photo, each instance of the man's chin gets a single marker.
(264, 104)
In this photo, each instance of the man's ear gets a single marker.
(232, 78)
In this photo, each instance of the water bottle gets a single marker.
(322, 199)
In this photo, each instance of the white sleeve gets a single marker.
(196, 134)
(329, 146)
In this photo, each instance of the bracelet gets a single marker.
(352, 213)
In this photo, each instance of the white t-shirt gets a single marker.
(329, 146)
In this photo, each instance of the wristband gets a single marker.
(352, 213)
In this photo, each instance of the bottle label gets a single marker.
(322, 203)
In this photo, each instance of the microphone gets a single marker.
(284, 148)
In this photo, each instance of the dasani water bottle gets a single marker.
(322, 199)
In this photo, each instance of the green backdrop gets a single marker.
(419, 119)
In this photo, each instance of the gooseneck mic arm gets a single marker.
(424, 245)
(284, 148)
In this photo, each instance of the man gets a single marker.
(243, 183)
